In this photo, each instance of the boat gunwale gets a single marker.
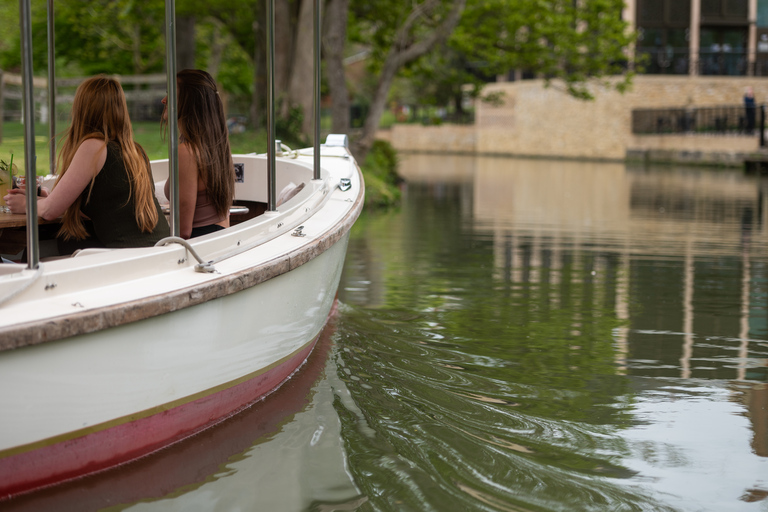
(213, 247)
(45, 330)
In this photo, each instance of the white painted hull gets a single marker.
(151, 351)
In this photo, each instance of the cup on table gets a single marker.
(5, 182)
(20, 182)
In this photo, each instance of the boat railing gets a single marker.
(170, 255)
(33, 255)
(259, 231)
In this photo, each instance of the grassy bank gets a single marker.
(147, 134)
(379, 168)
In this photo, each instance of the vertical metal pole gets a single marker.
(2, 116)
(762, 126)
(51, 89)
(271, 175)
(317, 90)
(173, 116)
(28, 102)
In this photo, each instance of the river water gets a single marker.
(520, 335)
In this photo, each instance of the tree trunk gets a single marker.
(361, 147)
(283, 54)
(300, 92)
(337, 14)
(400, 54)
(138, 67)
(458, 104)
(258, 75)
(218, 44)
(185, 42)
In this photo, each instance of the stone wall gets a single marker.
(540, 121)
(451, 138)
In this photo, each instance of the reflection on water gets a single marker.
(520, 335)
(556, 335)
(282, 453)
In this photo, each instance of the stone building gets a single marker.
(697, 55)
(701, 37)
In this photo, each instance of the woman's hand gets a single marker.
(16, 200)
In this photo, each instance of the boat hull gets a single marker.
(206, 456)
(90, 402)
(110, 355)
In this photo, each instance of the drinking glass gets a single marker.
(5, 184)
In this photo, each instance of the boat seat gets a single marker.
(233, 210)
(242, 211)
(11, 267)
(84, 252)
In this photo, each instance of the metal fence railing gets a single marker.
(142, 93)
(721, 120)
(661, 60)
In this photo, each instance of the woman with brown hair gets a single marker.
(105, 191)
(206, 171)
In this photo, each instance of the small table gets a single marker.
(14, 220)
(13, 232)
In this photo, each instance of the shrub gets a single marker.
(381, 179)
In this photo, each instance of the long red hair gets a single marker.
(99, 111)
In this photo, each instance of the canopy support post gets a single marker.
(271, 149)
(173, 117)
(51, 89)
(317, 90)
(28, 102)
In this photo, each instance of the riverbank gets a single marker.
(544, 122)
(379, 168)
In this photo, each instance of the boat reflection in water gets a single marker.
(273, 444)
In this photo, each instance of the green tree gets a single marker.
(397, 34)
(565, 41)
(127, 37)
(442, 78)
(115, 36)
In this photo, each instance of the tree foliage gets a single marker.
(127, 37)
(102, 36)
(574, 42)
(397, 34)
(438, 46)
(568, 42)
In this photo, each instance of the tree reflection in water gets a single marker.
(541, 333)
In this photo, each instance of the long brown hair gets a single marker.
(203, 127)
(99, 111)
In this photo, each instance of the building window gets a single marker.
(723, 42)
(713, 11)
(723, 51)
(663, 36)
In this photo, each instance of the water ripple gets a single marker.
(498, 449)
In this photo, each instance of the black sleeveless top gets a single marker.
(111, 207)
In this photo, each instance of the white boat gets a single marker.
(109, 355)
(112, 354)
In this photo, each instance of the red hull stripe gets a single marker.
(100, 447)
